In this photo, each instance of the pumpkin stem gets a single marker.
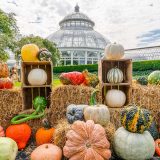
(46, 146)
(93, 97)
(46, 124)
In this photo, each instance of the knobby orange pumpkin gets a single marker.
(47, 152)
(19, 133)
(44, 134)
(4, 71)
(86, 141)
(157, 146)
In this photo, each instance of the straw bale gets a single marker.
(64, 95)
(115, 116)
(10, 105)
(147, 97)
(59, 137)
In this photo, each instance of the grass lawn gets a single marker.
(56, 82)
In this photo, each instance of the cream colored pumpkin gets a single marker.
(114, 51)
(37, 77)
(99, 113)
(133, 146)
(115, 75)
(115, 98)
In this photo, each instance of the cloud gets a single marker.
(123, 21)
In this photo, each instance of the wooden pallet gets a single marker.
(29, 92)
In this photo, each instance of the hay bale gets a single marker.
(115, 116)
(110, 130)
(10, 105)
(59, 137)
(147, 97)
(64, 95)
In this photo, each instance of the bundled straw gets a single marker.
(59, 137)
(68, 94)
(147, 97)
(10, 105)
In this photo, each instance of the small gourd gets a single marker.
(4, 70)
(136, 119)
(44, 134)
(37, 77)
(20, 133)
(75, 112)
(44, 55)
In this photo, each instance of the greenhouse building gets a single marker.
(77, 40)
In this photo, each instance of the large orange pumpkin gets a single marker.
(29, 52)
(4, 71)
(19, 133)
(47, 152)
(44, 134)
(86, 141)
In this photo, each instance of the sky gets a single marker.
(132, 23)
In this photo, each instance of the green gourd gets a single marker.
(40, 104)
(136, 119)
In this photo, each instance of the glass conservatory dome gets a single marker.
(78, 42)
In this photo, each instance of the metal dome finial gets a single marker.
(76, 8)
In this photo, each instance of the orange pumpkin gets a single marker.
(157, 146)
(4, 71)
(47, 152)
(19, 133)
(44, 134)
(29, 52)
(86, 141)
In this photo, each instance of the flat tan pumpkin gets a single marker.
(86, 141)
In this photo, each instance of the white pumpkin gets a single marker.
(114, 51)
(115, 75)
(37, 77)
(115, 98)
(8, 149)
(133, 146)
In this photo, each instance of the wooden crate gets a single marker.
(29, 93)
(26, 67)
(125, 65)
(125, 88)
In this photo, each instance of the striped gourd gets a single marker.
(136, 119)
(115, 75)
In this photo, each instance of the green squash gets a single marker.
(44, 55)
(136, 119)
(142, 80)
(154, 77)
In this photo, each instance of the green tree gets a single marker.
(41, 43)
(8, 34)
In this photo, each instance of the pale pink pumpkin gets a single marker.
(86, 141)
(2, 134)
(47, 151)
